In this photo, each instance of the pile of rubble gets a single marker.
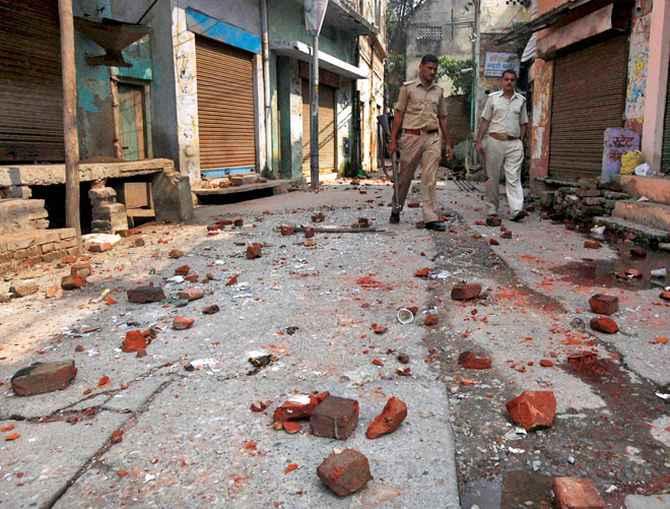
(231, 181)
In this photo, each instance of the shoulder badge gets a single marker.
(410, 82)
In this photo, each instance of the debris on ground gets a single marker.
(136, 340)
(72, 282)
(41, 377)
(182, 323)
(603, 304)
(470, 360)
(335, 417)
(533, 409)
(254, 250)
(466, 291)
(604, 324)
(23, 290)
(145, 294)
(394, 412)
(296, 408)
(211, 309)
(345, 472)
(573, 493)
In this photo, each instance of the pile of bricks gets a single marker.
(27, 248)
(108, 215)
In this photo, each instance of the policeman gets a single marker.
(505, 119)
(420, 113)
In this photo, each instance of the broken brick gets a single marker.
(100, 247)
(175, 253)
(145, 294)
(507, 234)
(42, 377)
(533, 409)
(377, 362)
(139, 242)
(605, 325)
(52, 292)
(191, 278)
(394, 412)
(592, 244)
(72, 282)
(633, 273)
(182, 323)
(254, 250)
(232, 281)
(574, 493)
(546, 363)
(493, 220)
(431, 320)
(404, 371)
(182, 270)
(638, 252)
(135, 341)
(210, 310)
(603, 304)
(117, 436)
(378, 328)
(335, 417)
(466, 291)
(12, 436)
(298, 407)
(18, 291)
(291, 467)
(258, 406)
(413, 205)
(104, 380)
(190, 294)
(423, 273)
(665, 295)
(494, 242)
(309, 232)
(82, 269)
(345, 473)
(319, 217)
(470, 360)
(363, 222)
(287, 229)
(292, 427)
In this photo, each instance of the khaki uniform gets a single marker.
(505, 116)
(421, 106)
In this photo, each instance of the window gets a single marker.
(428, 38)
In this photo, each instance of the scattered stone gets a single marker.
(254, 250)
(139, 242)
(335, 418)
(413, 205)
(191, 278)
(309, 232)
(423, 273)
(238, 222)
(603, 304)
(191, 294)
(660, 273)
(82, 269)
(431, 320)
(665, 295)
(232, 281)
(604, 324)
(42, 377)
(345, 472)
(507, 234)
(363, 222)
(592, 244)
(182, 323)
(292, 427)
(493, 220)
(175, 253)
(377, 362)
(394, 412)
(117, 436)
(136, 341)
(638, 252)
(72, 282)
(378, 328)
(145, 294)
(404, 371)
(259, 406)
(466, 291)
(319, 217)
(297, 407)
(18, 291)
(494, 242)
(403, 358)
(100, 247)
(52, 292)
(533, 409)
(211, 310)
(260, 359)
(470, 360)
(546, 363)
(587, 363)
(573, 493)
(287, 229)
(182, 270)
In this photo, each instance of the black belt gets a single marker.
(419, 132)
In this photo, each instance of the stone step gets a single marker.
(657, 189)
(648, 213)
(651, 235)
(18, 215)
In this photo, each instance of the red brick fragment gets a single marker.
(42, 377)
(603, 304)
(378, 328)
(533, 409)
(377, 362)
(394, 412)
(136, 341)
(290, 468)
(587, 363)
(7, 427)
(494, 242)
(592, 244)
(191, 278)
(298, 407)
(81, 269)
(254, 250)
(423, 273)
(546, 363)
(493, 220)
(145, 294)
(182, 270)
(404, 371)
(470, 360)
(104, 380)
(466, 291)
(211, 309)
(175, 253)
(100, 247)
(287, 229)
(507, 234)
(12, 436)
(191, 294)
(139, 242)
(665, 295)
(117, 436)
(232, 281)
(431, 320)
(309, 232)
(292, 427)
(345, 473)
(633, 273)
(258, 406)
(638, 252)
(335, 417)
(67, 259)
(182, 323)
(72, 282)
(574, 493)
(605, 325)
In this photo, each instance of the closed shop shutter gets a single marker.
(226, 114)
(327, 131)
(589, 96)
(665, 160)
(31, 121)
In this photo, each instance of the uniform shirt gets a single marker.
(421, 105)
(506, 116)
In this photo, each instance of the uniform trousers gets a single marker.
(504, 156)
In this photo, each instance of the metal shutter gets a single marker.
(665, 160)
(226, 116)
(589, 96)
(31, 122)
(327, 131)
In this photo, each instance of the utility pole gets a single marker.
(70, 133)
(476, 44)
(315, 11)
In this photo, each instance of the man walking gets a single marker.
(505, 119)
(420, 113)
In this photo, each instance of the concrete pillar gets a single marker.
(290, 101)
(657, 84)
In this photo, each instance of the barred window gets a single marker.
(426, 32)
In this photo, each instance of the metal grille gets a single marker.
(589, 96)
(665, 159)
(226, 115)
(31, 122)
(428, 32)
(327, 131)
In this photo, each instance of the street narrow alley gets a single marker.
(188, 422)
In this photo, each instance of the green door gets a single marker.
(131, 121)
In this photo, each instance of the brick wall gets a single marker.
(19, 250)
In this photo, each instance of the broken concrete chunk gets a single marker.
(335, 418)
(533, 409)
(43, 377)
(345, 472)
(191, 294)
(18, 291)
(145, 294)
(466, 291)
(603, 304)
(605, 325)
(72, 282)
(394, 412)
(574, 493)
(470, 360)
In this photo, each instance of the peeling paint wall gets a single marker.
(344, 125)
(637, 73)
(290, 117)
(543, 77)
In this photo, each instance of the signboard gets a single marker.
(496, 63)
(618, 141)
(315, 11)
